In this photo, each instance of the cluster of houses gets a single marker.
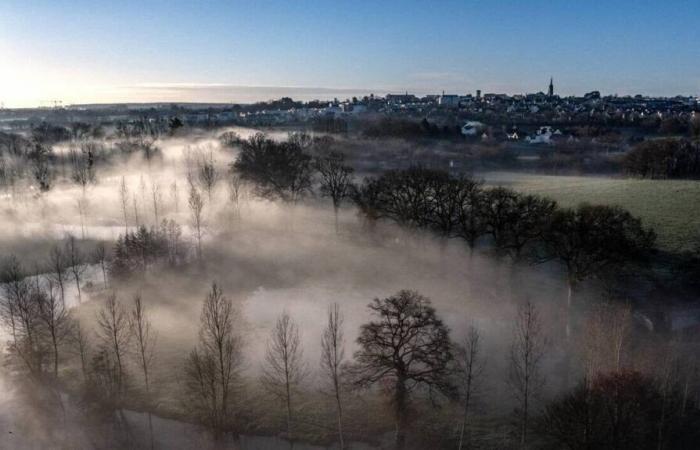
(546, 113)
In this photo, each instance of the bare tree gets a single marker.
(155, 192)
(19, 312)
(174, 192)
(406, 347)
(332, 357)
(137, 222)
(235, 191)
(206, 172)
(470, 368)
(284, 368)
(212, 369)
(53, 314)
(144, 343)
(196, 205)
(336, 179)
(83, 171)
(82, 205)
(143, 338)
(58, 269)
(81, 345)
(100, 256)
(75, 263)
(113, 330)
(527, 350)
(124, 199)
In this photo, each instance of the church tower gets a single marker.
(551, 87)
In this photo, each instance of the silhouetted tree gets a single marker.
(335, 179)
(332, 358)
(406, 347)
(594, 238)
(284, 367)
(114, 333)
(212, 368)
(470, 368)
(278, 170)
(525, 369)
(617, 410)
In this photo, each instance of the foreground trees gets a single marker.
(332, 359)
(284, 367)
(525, 376)
(619, 410)
(212, 368)
(470, 369)
(405, 347)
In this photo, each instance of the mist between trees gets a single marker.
(261, 286)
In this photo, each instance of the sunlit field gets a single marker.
(671, 207)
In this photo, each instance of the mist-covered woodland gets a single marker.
(166, 287)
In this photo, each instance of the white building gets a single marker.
(472, 128)
(543, 136)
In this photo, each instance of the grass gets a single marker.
(670, 207)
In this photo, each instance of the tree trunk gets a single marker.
(400, 400)
(464, 422)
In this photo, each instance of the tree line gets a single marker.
(405, 355)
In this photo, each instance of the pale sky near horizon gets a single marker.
(94, 51)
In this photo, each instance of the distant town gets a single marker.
(539, 118)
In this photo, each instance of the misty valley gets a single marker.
(285, 288)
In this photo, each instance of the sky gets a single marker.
(95, 51)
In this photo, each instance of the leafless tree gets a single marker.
(332, 358)
(75, 263)
(206, 172)
(212, 369)
(100, 256)
(144, 347)
(607, 329)
(53, 314)
(19, 312)
(196, 205)
(124, 200)
(155, 191)
(525, 371)
(58, 269)
(470, 368)
(144, 339)
(174, 192)
(82, 163)
(82, 206)
(114, 333)
(405, 347)
(235, 191)
(284, 367)
(81, 345)
(137, 222)
(336, 178)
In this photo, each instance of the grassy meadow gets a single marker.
(671, 207)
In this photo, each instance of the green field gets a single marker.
(671, 207)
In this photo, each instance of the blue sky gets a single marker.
(83, 51)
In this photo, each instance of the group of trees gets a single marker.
(587, 240)
(664, 158)
(136, 251)
(406, 356)
(621, 410)
(287, 170)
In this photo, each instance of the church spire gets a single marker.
(551, 87)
